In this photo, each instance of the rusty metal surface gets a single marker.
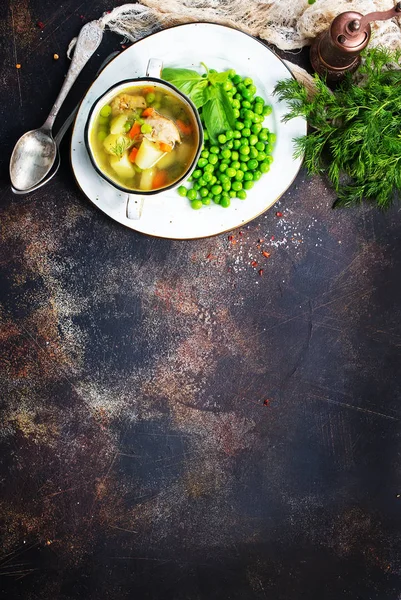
(177, 423)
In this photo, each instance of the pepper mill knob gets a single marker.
(337, 51)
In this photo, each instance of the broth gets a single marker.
(145, 138)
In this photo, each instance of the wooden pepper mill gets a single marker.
(337, 50)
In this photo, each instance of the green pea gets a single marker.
(246, 132)
(222, 138)
(261, 156)
(257, 175)
(247, 124)
(253, 139)
(205, 153)
(237, 135)
(267, 110)
(256, 128)
(249, 114)
(225, 202)
(264, 135)
(234, 155)
(208, 169)
(244, 141)
(248, 185)
(246, 104)
(269, 148)
(258, 108)
(217, 199)
(213, 180)
(237, 185)
(146, 128)
(272, 138)
(216, 190)
(223, 177)
(248, 176)
(203, 192)
(252, 89)
(239, 125)
(223, 167)
(241, 195)
(227, 85)
(260, 146)
(225, 161)
(202, 162)
(230, 144)
(197, 173)
(232, 193)
(253, 153)
(236, 113)
(243, 166)
(102, 135)
(105, 111)
(253, 164)
(258, 119)
(182, 190)
(191, 194)
(239, 175)
(127, 126)
(237, 144)
(226, 186)
(235, 165)
(269, 159)
(213, 159)
(205, 136)
(236, 104)
(206, 201)
(248, 81)
(259, 99)
(238, 96)
(201, 182)
(264, 167)
(196, 187)
(207, 176)
(236, 79)
(150, 98)
(214, 149)
(231, 172)
(226, 153)
(196, 204)
(244, 149)
(230, 134)
(246, 94)
(103, 120)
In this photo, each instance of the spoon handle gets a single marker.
(88, 41)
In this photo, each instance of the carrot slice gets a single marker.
(186, 129)
(159, 180)
(148, 112)
(135, 130)
(148, 90)
(165, 147)
(132, 154)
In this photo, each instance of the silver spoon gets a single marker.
(59, 136)
(35, 152)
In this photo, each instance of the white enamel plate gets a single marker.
(167, 214)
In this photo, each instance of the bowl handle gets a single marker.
(154, 68)
(134, 206)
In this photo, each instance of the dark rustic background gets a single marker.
(175, 425)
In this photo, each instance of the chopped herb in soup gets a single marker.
(145, 138)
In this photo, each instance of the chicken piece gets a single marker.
(127, 102)
(163, 130)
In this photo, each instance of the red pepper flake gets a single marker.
(40, 24)
(266, 254)
(230, 238)
(272, 238)
(82, 16)
(254, 263)
(260, 272)
(266, 402)
(210, 256)
(279, 214)
(261, 241)
(240, 233)
(123, 46)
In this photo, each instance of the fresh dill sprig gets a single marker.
(355, 136)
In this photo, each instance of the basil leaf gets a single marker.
(217, 77)
(214, 115)
(197, 93)
(225, 100)
(176, 76)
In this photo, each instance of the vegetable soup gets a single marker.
(145, 138)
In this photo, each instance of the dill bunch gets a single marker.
(355, 136)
